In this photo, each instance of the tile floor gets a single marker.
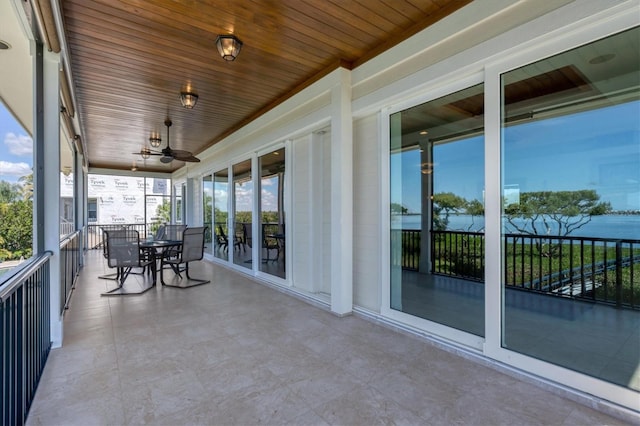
(235, 352)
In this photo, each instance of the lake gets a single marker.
(606, 226)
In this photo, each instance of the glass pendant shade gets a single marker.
(188, 99)
(228, 46)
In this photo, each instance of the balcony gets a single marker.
(238, 352)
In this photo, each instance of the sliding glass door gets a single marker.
(241, 231)
(571, 210)
(221, 215)
(437, 210)
(207, 210)
(273, 236)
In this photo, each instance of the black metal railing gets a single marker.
(597, 269)
(408, 257)
(69, 267)
(95, 237)
(25, 337)
(458, 253)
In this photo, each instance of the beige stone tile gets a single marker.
(423, 399)
(61, 389)
(150, 401)
(237, 374)
(270, 406)
(105, 410)
(63, 362)
(366, 406)
(323, 385)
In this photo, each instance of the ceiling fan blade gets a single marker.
(190, 159)
(181, 155)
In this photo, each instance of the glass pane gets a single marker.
(158, 204)
(207, 211)
(571, 210)
(179, 210)
(16, 192)
(437, 210)
(272, 170)
(242, 210)
(221, 214)
(67, 166)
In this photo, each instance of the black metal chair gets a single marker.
(222, 241)
(191, 249)
(173, 232)
(123, 253)
(105, 230)
(159, 234)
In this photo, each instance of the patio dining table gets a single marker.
(157, 248)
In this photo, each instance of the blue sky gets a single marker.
(16, 150)
(597, 149)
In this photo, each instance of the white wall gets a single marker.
(301, 239)
(366, 214)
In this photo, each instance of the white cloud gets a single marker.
(269, 201)
(14, 169)
(18, 144)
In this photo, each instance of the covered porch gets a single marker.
(240, 352)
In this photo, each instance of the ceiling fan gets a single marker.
(167, 155)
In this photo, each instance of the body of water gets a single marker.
(606, 226)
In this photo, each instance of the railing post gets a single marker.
(619, 273)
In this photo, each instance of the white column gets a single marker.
(341, 195)
(51, 111)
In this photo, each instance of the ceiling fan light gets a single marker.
(188, 99)
(145, 153)
(155, 140)
(228, 46)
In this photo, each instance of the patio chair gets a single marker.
(105, 230)
(271, 243)
(123, 253)
(192, 249)
(173, 232)
(159, 235)
(222, 241)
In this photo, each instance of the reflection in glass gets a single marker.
(571, 212)
(207, 212)
(242, 213)
(437, 210)
(178, 197)
(220, 215)
(67, 188)
(157, 203)
(272, 255)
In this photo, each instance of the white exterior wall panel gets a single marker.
(366, 216)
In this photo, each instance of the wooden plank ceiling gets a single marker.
(131, 58)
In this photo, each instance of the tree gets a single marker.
(445, 203)
(16, 228)
(397, 208)
(474, 208)
(9, 192)
(557, 212)
(27, 186)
